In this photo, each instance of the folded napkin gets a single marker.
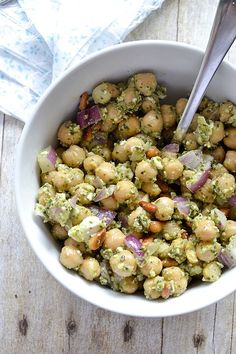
(42, 38)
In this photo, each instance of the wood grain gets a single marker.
(37, 315)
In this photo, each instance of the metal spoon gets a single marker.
(222, 36)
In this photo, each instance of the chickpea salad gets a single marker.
(132, 210)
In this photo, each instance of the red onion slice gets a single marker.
(201, 178)
(73, 201)
(98, 183)
(47, 159)
(219, 218)
(182, 205)
(171, 148)
(192, 159)
(104, 193)
(232, 201)
(103, 214)
(226, 258)
(88, 117)
(134, 244)
(207, 161)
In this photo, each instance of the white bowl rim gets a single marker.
(110, 307)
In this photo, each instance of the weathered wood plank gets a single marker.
(161, 24)
(195, 21)
(224, 319)
(2, 121)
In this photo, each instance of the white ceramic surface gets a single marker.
(176, 66)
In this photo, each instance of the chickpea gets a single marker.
(173, 273)
(194, 124)
(162, 250)
(165, 208)
(79, 245)
(45, 193)
(114, 238)
(123, 264)
(151, 188)
(149, 104)
(180, 286)
(226, 110)
(229, 230)
(69, 133)
(218, 133)
(64, 180)
(153, 287)
(104, 151)
(110, 203)
(104, 92)
(152, 123)
(217, 171)
(177, 250)
(74, 156)
(84, 193)
(146, 83)
(230, 138)
(59, 232)
(128, 285)
(230, 161)
(76, 177)
(134, 216)
(125, 190)
(211, 111)
(120, 152)
(168, 114)
(190, 142)
(90, 179)
(173, 168)
(71, 242)
(203, 103)
(219, 154)
(90, 268)
(106, 171)
(145, 171)
(191, 252)
(78, 214)
(205, 193)
(128, 127)
(171, 230)
(112, 118)
(130, 99)
(211, 272)
(135, 149)
(71, 257)
(207, 251)
(206, 230)
(180, 106)
(224, 186)
(152, 267)
(92, 162)
(47, 177)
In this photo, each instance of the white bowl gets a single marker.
(176, 66)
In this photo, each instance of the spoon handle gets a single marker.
(221, 38)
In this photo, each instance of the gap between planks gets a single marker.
(2, 125)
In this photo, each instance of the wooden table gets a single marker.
(37, 315)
